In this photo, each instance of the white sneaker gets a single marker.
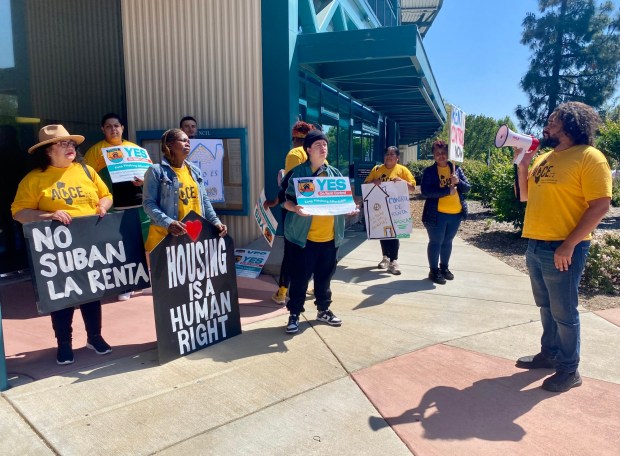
(125, 296)
(384, 263)
(393, 268)
(147, 291)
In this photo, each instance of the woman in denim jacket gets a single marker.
(173, 189)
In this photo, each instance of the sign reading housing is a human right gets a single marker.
(195, 296)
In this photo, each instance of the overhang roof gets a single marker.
(420, 12)
(385, 68)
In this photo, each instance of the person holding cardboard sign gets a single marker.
(390, 171)
(173, 189)
(60, 188)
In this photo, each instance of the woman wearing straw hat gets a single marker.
(54, 158)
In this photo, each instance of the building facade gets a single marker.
(357, 67)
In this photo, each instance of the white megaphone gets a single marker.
(506, 137)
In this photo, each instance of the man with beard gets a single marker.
(568, 191)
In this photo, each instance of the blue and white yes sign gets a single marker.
(324, 195)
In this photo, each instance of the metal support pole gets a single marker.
(4, 381)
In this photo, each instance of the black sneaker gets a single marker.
(538, 361)
(560, 382)
(327, 316)
(293, 324)
(436, 277)
(447, 274)
(64, 355)
(100, 346)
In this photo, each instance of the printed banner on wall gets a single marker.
(324, 195)
(249, 263)
(265, 219)
(125, 163)
(87, 260)
(208, 155)
(387, 211)
(195, 296)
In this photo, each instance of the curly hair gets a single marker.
(301, 129)
(579, 121)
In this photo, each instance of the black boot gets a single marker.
(436, 277)
(61, 322)
(91, 313)
(445, 272)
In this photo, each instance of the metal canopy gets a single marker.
(384, 68)
(420, 12)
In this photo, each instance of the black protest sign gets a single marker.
(91, 258)
(195, 297)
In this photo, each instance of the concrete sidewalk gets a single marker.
(416, 368)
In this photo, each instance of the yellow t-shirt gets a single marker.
(295, 156)
(559, 186)
(189, 200)
(449, 204)
(384, 174)
(67, 189)
(322, 226)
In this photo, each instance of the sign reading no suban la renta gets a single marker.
(195, 296)
(88, 259)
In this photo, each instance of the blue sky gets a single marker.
(475, 52)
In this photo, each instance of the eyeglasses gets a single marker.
(391, 154)
(67, 144)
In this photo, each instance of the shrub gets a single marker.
(417, 169)
(479, 176)
(615, 192)
(602, 272)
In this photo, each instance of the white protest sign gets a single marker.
(265, 219)
(249, 263)
(387, 210)
(208, 154)
(125, 163)
(324, 195)
(457, 135)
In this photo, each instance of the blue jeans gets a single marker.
(556, 293)
(440, 239)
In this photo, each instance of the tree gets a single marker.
(608, 141)
(575, 57)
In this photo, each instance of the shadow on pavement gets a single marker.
(485, 410)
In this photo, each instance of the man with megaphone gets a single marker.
(568, 191)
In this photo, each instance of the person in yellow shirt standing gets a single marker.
(568, 191)
(125, 195)
(444, 186)
(393, 171)
(57, 166)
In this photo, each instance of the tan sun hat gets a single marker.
(53, 133)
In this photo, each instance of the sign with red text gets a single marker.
(195, 296)
(86, 260)
(457, 135)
